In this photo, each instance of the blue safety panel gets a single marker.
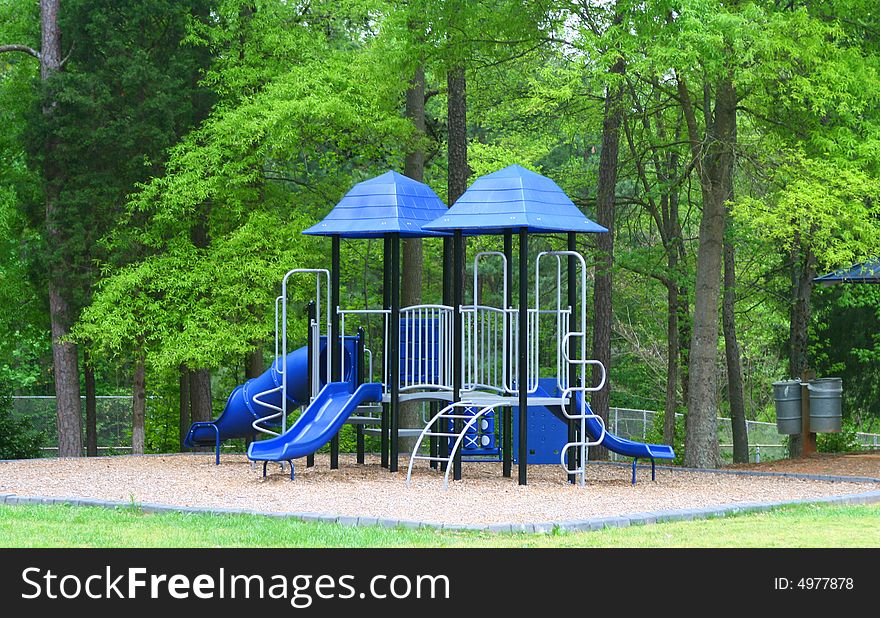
(866, 272)
(479, 439)
(419, 351)
(382, 205)
(547, 433)
(513, 198)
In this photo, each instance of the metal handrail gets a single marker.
(419, 338)
(584, 362)
(459, 439)
(264, 419)
(317, 272)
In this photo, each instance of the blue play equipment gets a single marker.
(500, 378)
(318, 423)
(257, 402)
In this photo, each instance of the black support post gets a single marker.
(394, 351)
(522, 379)
(311, 315)
(573, 426)
(386, 304)
(448, 299)
(359, 429)
(457, 285)
(335, 373)
(506, 415)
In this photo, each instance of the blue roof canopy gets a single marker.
(513, 198)
(866, 272)
(387, 204)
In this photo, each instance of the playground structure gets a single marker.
(484, 369)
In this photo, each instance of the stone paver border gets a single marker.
(596, 523)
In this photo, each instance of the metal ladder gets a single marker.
(582, 416)
(447, 413)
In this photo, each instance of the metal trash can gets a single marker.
(825, 404)
(787, 397)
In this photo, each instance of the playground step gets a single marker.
(403, 433)
(426, 457)
(363, 420)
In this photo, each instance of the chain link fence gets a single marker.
(114, 427)
(113, 420)
(765, 442)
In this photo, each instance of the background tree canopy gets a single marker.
(157, 179)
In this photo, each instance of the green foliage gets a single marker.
(844, 441)
(18, 438)
(654, 434)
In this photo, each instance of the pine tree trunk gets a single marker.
(254, 364)
(672, 353)
(457, 153)
(139, 407)
(183, 404)
(65, 356)
(411, 273)
(602, 287)
(91, 408)
(200, 395)
(803, 273)
(714, 156)
(734, 360)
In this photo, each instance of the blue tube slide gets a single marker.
(240, 412)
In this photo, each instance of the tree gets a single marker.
(65, 355)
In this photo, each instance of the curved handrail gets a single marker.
(460, 438)
(430, 424)
(279, 411)
(576, 361)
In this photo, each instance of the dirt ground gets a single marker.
(849, 464)
(483, 497)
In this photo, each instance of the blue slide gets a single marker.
(317, 424)
(622, 446)
(241, 410)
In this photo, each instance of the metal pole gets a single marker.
(312, 314)
(572, 348)
(335, 373)
(808, 437)
(394, 351)
(384, 446)
(448, 300)
(457, 285)
(359, 429)
(522, 380)
(506, 413)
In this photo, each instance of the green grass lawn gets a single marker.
(69, 526)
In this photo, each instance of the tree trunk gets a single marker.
(65, 356)
(411, 274)
(66, 369)
(91, 408)
(602, 287)
(672, 349)
(803, 273)
(138, 407)
(254, 364)
(734, 361)
(715, 167)
(200, 395)
(183, 403)
(457, 154)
